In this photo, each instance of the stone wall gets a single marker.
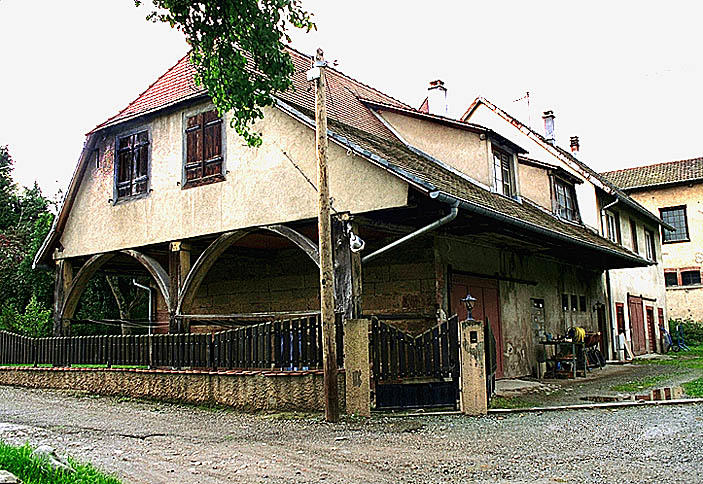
(242, 390)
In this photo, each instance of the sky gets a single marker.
(626, 77)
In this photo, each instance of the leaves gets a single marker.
(237, 51)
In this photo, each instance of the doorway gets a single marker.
(639, 343)
(487, 307)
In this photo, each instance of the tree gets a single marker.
(237, 51)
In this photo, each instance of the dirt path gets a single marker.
(146, 442)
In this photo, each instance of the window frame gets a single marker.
(633, 234)
(612, 234)
(509, 161)
(685, 221)
(650, 247)
(691, 270)
(673, 272)
(570, 189)
(116, 199)
(222, 176)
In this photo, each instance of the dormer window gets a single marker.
(503, 181)
(565, 200)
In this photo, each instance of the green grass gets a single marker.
(692, 359)
(509, 402)
(34, 470)
(640, 383)
(694, 388)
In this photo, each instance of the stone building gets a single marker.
(229, 233)
(674, 190)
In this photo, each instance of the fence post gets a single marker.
(473, 398)
(357, 372)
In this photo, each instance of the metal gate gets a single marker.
(491, 359)
(415, 371)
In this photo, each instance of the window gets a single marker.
(620, 317)
(132, 168)
(633, 231)
(676, 217)
(574, 302)
(671, 279)
(612, 227)
(650, 248)
(203, 153)
(582, 304)
(503, 173)
(565, 200)
(565, 302)
(690, 278)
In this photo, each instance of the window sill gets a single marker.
(678, 288)
(203, 181)
(675, 241)
(131, 198)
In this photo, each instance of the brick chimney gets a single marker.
(548, 117)
(437, 98)
(575, 144)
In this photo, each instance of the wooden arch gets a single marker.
(207, 259)
(95, 263)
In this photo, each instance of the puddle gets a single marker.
(657, 394)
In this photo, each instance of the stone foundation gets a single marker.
(242, 390)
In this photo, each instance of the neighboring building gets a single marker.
(675, 191)
(228, 233)
(578, 195)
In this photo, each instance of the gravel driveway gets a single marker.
(147, 442)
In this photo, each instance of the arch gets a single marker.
(95, 263)
(207, 259)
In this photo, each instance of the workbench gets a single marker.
(574, 358)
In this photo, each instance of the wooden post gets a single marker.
(63, 280)
(329, 346)
(347, 269)
(178, 268)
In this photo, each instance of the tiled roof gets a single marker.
(669, 173)
(343, 94)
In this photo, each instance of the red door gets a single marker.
(639, 344)
(487, 307)
(650, 329)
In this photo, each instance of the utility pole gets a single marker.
(329, 345)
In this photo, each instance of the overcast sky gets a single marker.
(627, 77)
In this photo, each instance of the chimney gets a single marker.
(437, 98)
(575, 144)
(548, 117)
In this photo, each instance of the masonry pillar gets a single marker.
(472, 376)
(178, 269)
(62, 282)
(356, 367)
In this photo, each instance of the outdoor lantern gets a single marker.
(469, 302)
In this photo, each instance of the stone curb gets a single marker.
(594, 406)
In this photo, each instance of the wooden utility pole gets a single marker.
(329, 346)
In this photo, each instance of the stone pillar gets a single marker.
(472, 377)
(178, 269)
(357, 367)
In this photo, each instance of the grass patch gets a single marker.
(509, 402)
(692, 359)
(34, 470)
(694, 388)
(640, 383)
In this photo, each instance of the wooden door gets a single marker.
(487, 307)
(650, 329)
(639, 343)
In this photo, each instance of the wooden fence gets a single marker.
(284, 344)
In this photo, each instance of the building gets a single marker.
(674, 190)
(228, 233)
(575, 193)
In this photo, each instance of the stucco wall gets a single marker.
(250, 391)
(461, 149)
(551, 278)
(682, 302)
(534, 184)
(262, 187)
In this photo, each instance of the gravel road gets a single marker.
(148, 442)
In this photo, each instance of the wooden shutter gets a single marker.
(194, 148)
(203, 148)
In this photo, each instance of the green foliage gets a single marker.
(237, 51)
(509, 402)
(692, 330)
(35, 470)
(692, 359)
(640, 384)
(35, 321)
(694, 388)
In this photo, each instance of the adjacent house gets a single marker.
(228, 234)
(674, 190)
(576, 194)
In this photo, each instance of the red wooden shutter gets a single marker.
(194, 148)
(212, 145)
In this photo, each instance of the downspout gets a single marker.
(615, 337)
(453, 212)
(148, 290)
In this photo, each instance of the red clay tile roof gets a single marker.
(343, 94)
(670, 173)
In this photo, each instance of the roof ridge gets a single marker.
(622, 170)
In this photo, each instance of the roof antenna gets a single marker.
(529, 112)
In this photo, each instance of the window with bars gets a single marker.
(565, 200)
(203, 153)
(132, 167)
(503, 173)
(676, 217)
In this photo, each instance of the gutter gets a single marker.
(480, 210)
(454, 211)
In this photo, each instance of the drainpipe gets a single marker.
(148, 290)
(453, 212)
(615, 337)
